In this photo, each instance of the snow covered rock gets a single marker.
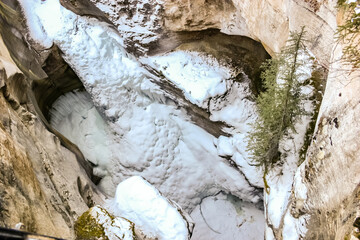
(154, 215)
(199, 76)
(137, 112)
(139, 22)
(97, 223)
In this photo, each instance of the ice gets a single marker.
(124, 126)
(74, 115)
(141, 203)
(224, 217)
(149, 138)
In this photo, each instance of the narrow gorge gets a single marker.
(129, 119)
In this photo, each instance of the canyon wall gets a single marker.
(42, 186)
(45, 188)
(269, 22)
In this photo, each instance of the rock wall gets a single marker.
(331, 172)
(41, 183)
(267, 21)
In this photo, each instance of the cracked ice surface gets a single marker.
(226, 217)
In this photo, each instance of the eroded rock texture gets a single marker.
(332, 168)
(269, 22)
(42, 184)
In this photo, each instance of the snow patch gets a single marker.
(225, 146)
(138, 22)
(200, 77)
(42, 15)
(141, 203)
(224, 217)
(294, 228)
(114, 228)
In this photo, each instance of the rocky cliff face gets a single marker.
(269, 22)
(331, 170)
(42, 185)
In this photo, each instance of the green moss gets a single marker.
(87, 228)
(318, 81)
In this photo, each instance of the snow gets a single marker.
(209, 84)
(224, 217)
(200, 77)
(141, 203)
(269, 233)
(176, 159)
(124, 125)
(225, 146)
(45, 15)
(294, 228)
(75, 110)
(300, 190)
(137, 21)
(114, 228)
(239, 111)
(357, 8)
(149, 138)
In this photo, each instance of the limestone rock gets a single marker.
(269, 22)
(39, 178)
(332, 167)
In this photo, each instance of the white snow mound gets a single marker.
(141, 203)
(199, 76)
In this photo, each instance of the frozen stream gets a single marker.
(125, 124)
(219, 217)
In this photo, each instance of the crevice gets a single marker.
(207, 224)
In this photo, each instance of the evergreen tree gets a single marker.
(349, 32)
(279, 105)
